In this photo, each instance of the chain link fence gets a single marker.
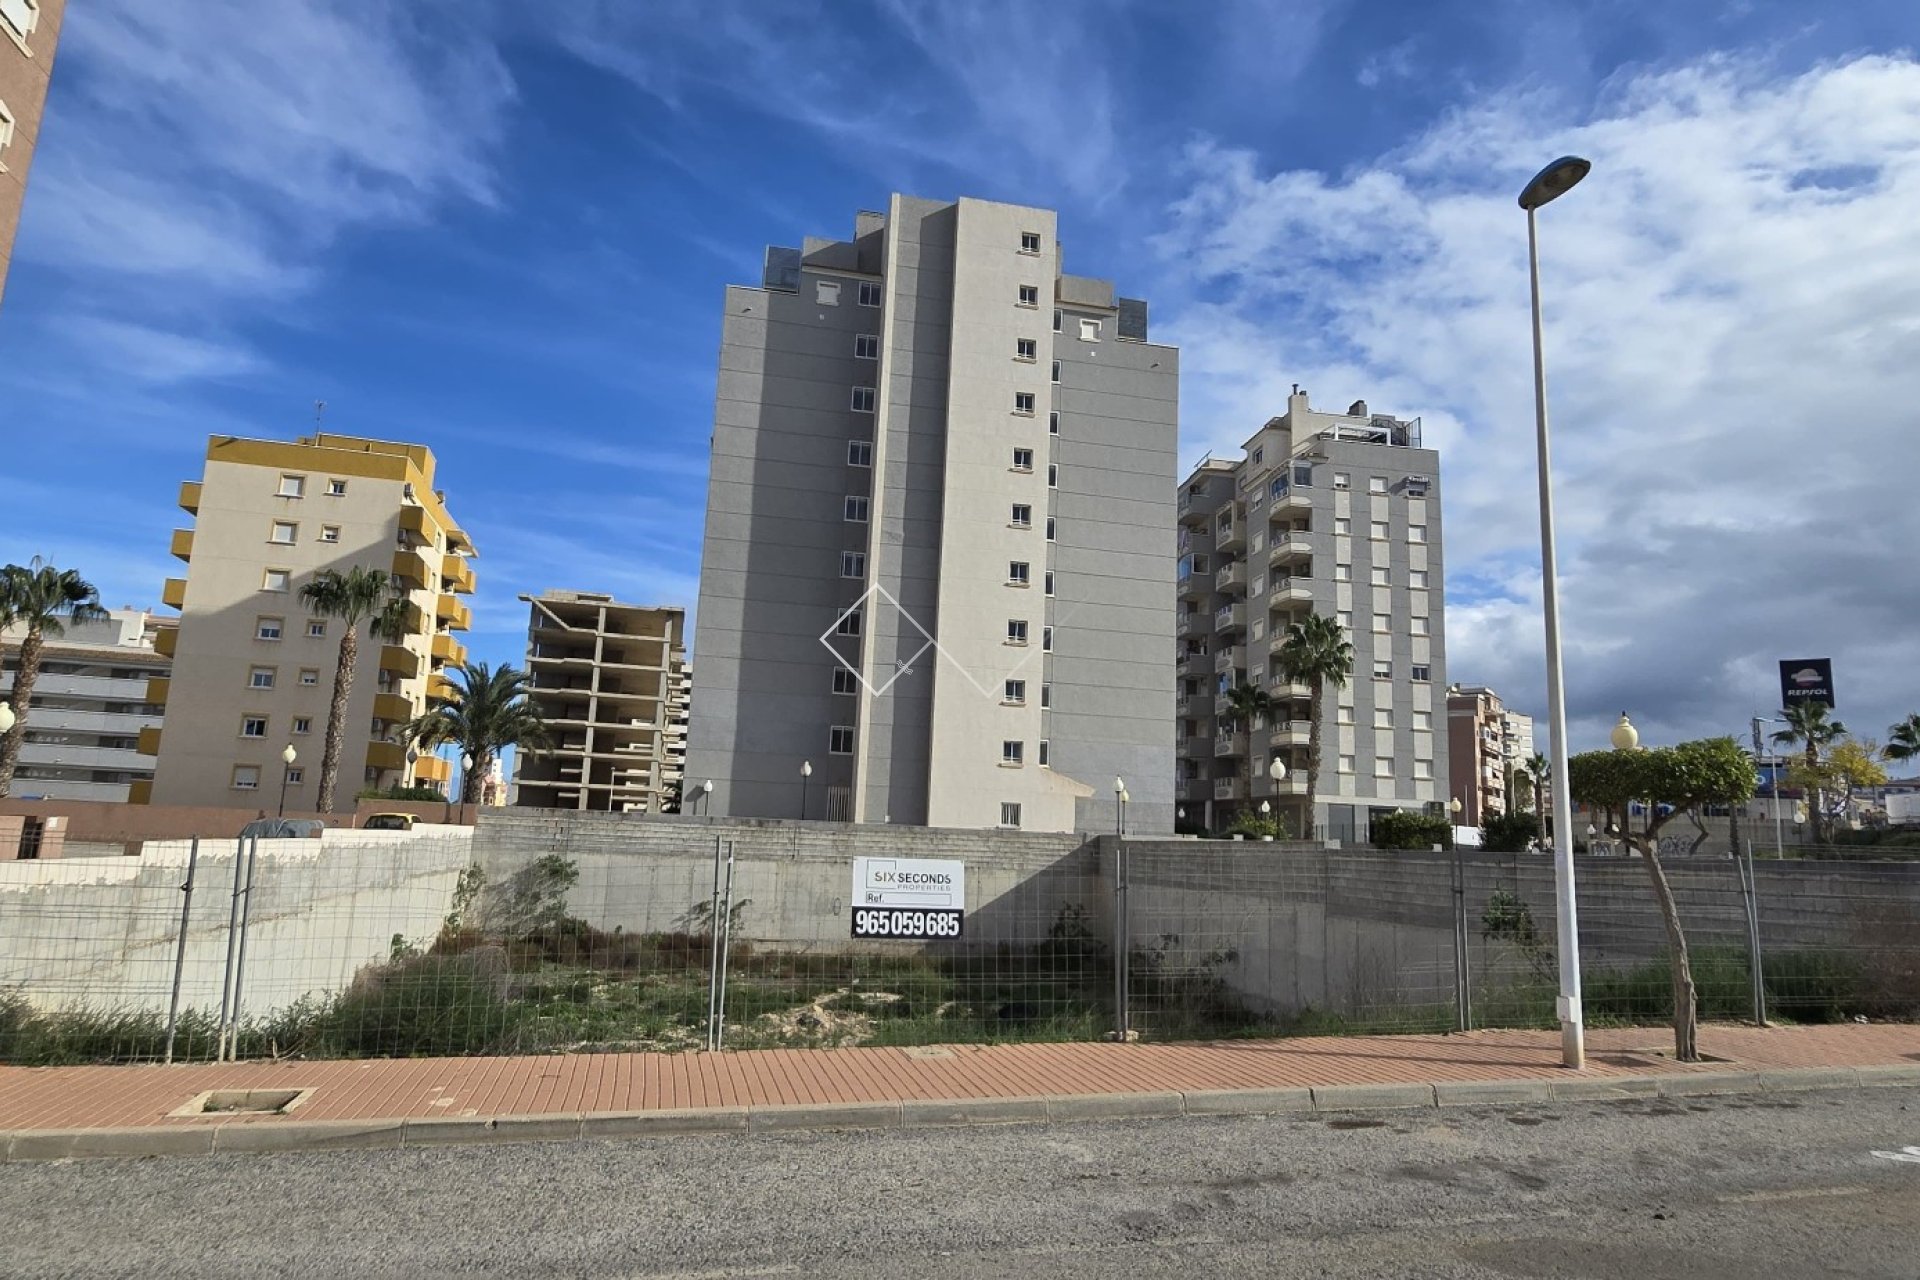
(670, 936)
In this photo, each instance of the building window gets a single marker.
(853, 564)
(1053, 423)
(1019, 573)
(1013, 751)
(1346, 764)
(1416, 533)
(1056, 371)
(1345, 619)
(1009, 814)
(329, 533)
(1045, 757)
(1015, 692)
(336, 488)
(283, 533)
(1422, 673)
(1049, 528)
(1423, 769)
(1049, 582)
(1343, 714)
(1026, 349)
(1423, 720)
(1341, 480)
(316, 628)
(1379, 576)
(1029, 242)
(22, 16)
(1417, 579)
(1342, 526)
(303, 724)
(1053, 475)
(1023, 402)
(1016, 630)
(840, 740)
(1377, 530)
(1046, 695)
(295, 776)
(1383, 622)
(1376, 484)
(826, 292)
(1046, 639)
(267, 628)
(309, 676)
(246, 777)
(1029, 295)
(1343, 573)
(1256, 456)
(1022, 516)
(855, 509)
(1303, 474)
(848, 623)
(861, 401)
(1382, 669)
(859, 453)
(866, 346)
(260, 677)
(1056, 320)
(293, 486)
(6, 133)
(843, 680)
(1383, 766)
(1419, 623)
(1023, 459)
(869, 293)
(1383, 717)
(1089, 330)
(253, 726)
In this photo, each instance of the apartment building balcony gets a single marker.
(173, 593)
(1223, 707)
(1193, 508)
(415, 520)
(1228, 789)
(1230, 617)
(1280, 687)
(386, 755)
(439, 686)
(432, 769)
(116, 724)
(448, 650)
(1294, 784)
(1290, 504)
(1197, 790)
(1195, 664)
(1197, 623)
(449, 610)
(190, 497)
(1232, 535)
(93, 688)
(412, 568)
(148, 742)
(157, 687)
(1234, 744)
(140, 791)
(399, 660)
(1199, 706)
(1290, 591)
(1287, 550)
(166, 640)
(1233, 659)
(393, 707)
(1232, 578)
(456, 573)
(1194, 586)
(182, 544)
(1288, 733)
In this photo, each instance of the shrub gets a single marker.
(1255, 826)
(1508, 832)
(1405, 829)
(401, 793)
(419, 1005)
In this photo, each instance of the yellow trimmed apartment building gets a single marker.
(253, 670)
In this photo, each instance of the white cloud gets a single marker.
(1733, 321)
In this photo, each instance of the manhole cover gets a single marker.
(256, 1102)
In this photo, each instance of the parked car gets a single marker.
(284, 828)
(388, 822)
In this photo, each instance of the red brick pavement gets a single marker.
(119, 1097)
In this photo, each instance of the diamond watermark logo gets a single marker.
(910, 626)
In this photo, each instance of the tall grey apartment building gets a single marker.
(1329, 513)
(939, 538)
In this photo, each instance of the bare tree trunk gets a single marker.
(1314, 696)
(1685, 1004)
(20, 700)
(337, 715)
(1540, 811)
(475, 777)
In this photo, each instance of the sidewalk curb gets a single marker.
(236, 1137)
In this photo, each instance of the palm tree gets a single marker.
(353, 597)
(1808, 725)
(1537, 769)
(1316, 654)
(43, 600)
(1249, 701)
(1903, 739)
(488, 713)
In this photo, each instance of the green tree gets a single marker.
(1315, 653)
(1811, 726)
(354, 597)
(1250, 702)
(1667, 781)
(1903, 739)
(1508, 832)
(1409, 829)
(1851, 765)
(487, 712)
(41, 600)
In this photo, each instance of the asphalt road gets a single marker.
(1751, 1186)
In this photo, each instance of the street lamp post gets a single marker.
(287, 758)
(1277, 770)
(1551, 182)
(706, 789)
(1119, 807)
(806, 772)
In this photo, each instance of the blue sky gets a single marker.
(509, 240)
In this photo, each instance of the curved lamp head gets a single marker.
(806, 768)
(1454, 806)
(466, 760)
(707, 786)
(1265, 808)
(1554, 181)
(7, 720)
(1277, 770)
(289, 755)
(1119, 785)
(1624, 736)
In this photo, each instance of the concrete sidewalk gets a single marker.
(73, 1111)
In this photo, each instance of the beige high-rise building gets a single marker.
(89, 707)
(253, 668)
(29, 30)
(1486, 745)
(606, 678)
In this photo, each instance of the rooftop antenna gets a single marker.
(319, 407)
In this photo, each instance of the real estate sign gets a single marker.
(914, 898)
(1806, 680)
